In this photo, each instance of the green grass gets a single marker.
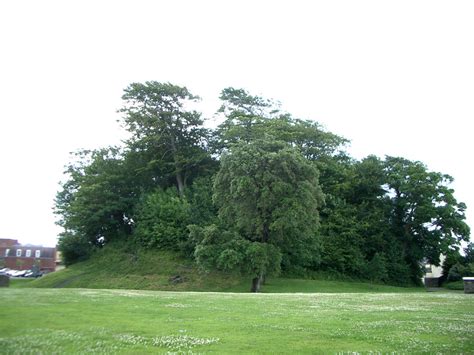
(285, 285)
(21, 282)
(117, 268)
(129, 321)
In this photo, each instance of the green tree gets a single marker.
(165, 131)
(377, 268)
(269, 193)
(202, 209)
(469, 253)
(96, 202)
(342, 242)
(221, 249)
(74, 248)
(451, 258)
(425, 217)
(458, 263)
(367, 194)
(249, 117)
(245, 115)
(353, 220)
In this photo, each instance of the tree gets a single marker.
(74, 248)
(469, 253)
(250, 117)
(377, 269)
(203, 211)
(425, 217)
(221, 249)
(342, 242)
(245, 115)
(165, 130)
(269, 193)
(96, 202)
(455, 265)
(257, 200)
(353, 219)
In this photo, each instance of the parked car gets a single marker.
(19, 273)
(33, 273)
(10, 272)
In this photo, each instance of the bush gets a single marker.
(458, 271)
(74, 248)
(456, 285)
(162, 219)
(452, 258)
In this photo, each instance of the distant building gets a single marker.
(23, 257)
(433, 273)
(6, 243)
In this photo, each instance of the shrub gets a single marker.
(162, 219)
(458, 271)
(74, 248)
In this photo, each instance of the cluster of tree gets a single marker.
(264, 192)
(457, 266)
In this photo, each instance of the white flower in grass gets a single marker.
(180, 342)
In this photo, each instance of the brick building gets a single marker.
(23, 257)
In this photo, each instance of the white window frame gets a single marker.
(28, 253)
(7, 251)
(18, 252)
(37, 253)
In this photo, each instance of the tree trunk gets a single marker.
(179, 176)
(256, 283)
(179, 180)
(266, 232)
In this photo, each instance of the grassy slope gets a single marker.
(68, 321)
(114, 268)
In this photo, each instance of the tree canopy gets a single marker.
(264, 192)
(165, 130)
(270, 194)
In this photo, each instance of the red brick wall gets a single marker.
(46, 261)
(6, 244)
(16, 263)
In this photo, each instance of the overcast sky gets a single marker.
(395, 77)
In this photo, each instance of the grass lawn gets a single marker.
(124, 321)
(286, 285)
(24, 282)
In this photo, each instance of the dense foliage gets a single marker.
(262, 193)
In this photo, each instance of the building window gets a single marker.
(28, 253)
(7, 251)
(37, 253)
(18, 252)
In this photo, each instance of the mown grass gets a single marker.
(17, 282)
(286, 285)
(119, 268)
(130, 321)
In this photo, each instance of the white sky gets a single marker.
(395, 77)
